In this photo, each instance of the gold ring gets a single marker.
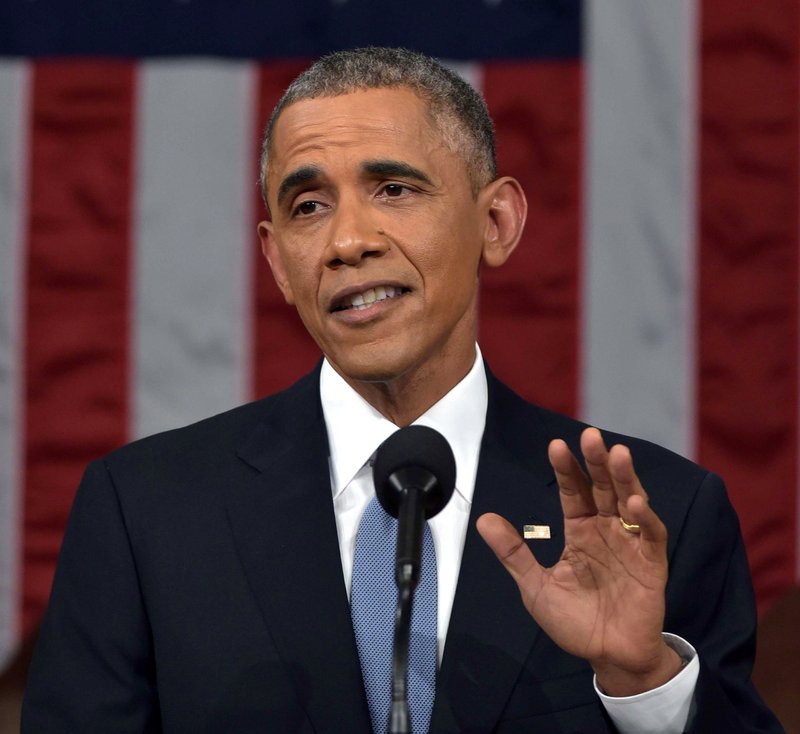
(635, 529)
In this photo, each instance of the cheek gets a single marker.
(443, 239)
(303, 279)
(455, 258)
(298, 258)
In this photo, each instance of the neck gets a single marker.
(406, 397)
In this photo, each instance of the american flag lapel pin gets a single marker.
(536, 532)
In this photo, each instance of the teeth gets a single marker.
(360, 301)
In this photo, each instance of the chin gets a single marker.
(371, 365)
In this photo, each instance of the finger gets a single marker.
(623, 476)
(511, 550)
(575, 489)
(633, 503)
(652, 534)
(596, 457)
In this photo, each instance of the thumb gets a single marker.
(512, 551)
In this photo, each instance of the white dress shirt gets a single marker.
(355, 430)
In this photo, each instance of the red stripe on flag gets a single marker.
(748, 274)
(77, 295)
(282, 348)
(530, 309)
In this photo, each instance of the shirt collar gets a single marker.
(356, 429)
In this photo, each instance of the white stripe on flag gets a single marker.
(14, 77)
(638, 291)
(470, 72)
(192, 238)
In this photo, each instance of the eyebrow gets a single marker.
(382, 167)
(394, 169)
(301, 176)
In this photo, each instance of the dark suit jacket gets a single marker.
(200, 589)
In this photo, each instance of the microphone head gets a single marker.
(419, 457)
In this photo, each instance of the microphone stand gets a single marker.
(399, 719)
(414, 475)
(410, 522)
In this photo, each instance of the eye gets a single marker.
(305, 208)
(395, 190)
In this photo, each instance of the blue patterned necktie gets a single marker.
(373, 604)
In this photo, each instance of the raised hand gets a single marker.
(604, 599)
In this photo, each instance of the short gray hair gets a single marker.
(455, 107)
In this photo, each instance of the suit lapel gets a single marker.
(285, 534)
(490, 635)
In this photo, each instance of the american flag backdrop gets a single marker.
(655, 291)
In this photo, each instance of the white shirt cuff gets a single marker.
(664, 710)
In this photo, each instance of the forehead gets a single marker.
(362, 123)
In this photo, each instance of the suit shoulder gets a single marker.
(649, 458)
(216, 435)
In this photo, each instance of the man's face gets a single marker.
(376, 236)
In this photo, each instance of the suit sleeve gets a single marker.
(710, 603)
(93, 670)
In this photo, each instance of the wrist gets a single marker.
(618, 681)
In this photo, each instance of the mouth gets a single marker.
(362, 300)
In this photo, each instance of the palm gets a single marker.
(602, 599)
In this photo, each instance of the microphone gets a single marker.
(414, 475)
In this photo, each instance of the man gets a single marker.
(205, 575)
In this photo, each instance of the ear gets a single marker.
(270, 250)
(505, 210)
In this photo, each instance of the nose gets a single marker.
(354, 235)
